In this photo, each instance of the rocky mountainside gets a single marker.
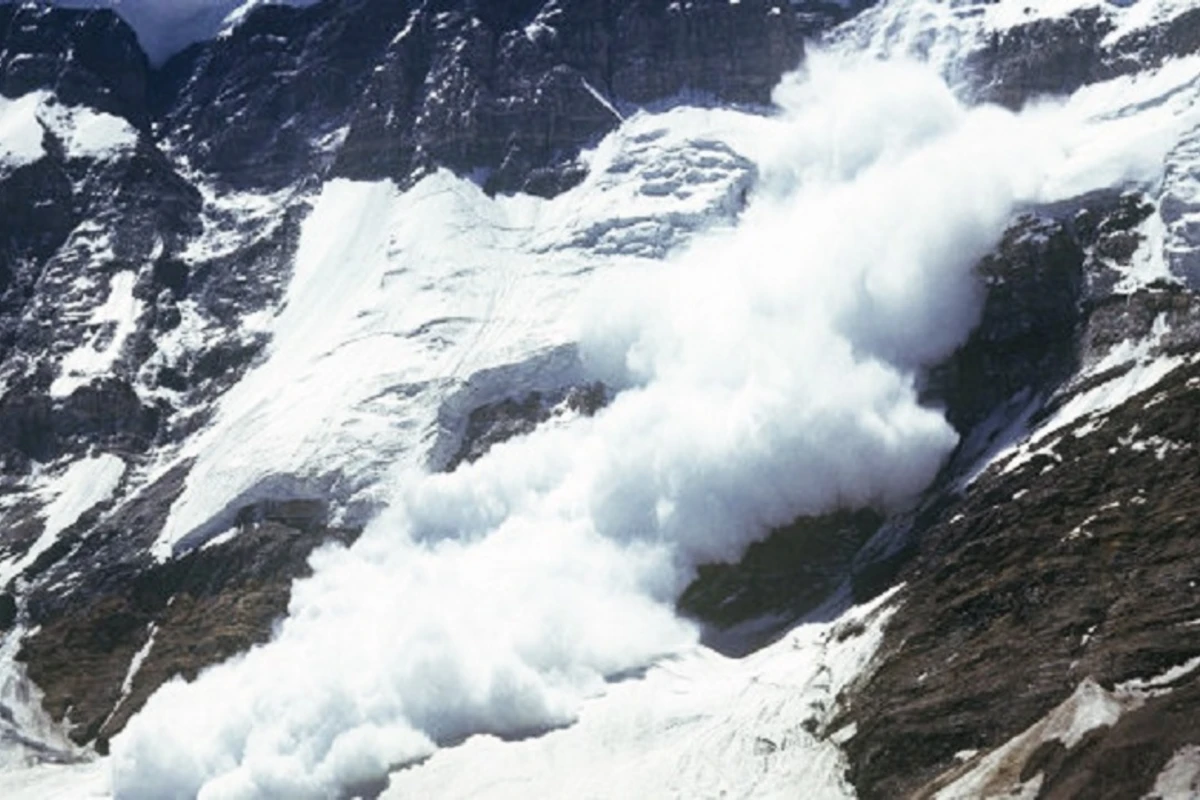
(249, 293)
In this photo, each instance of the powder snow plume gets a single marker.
(766, 373)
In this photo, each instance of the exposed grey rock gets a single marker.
(493, 423)
(1068, 566)
(1025, 339)
(1048, 56)
(477, 95)
(262, 107)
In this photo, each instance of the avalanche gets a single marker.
(764, 370)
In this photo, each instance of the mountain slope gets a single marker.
(269, 295)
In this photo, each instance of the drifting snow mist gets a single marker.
(766, 373)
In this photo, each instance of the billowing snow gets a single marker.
(111, 324)
(944, 33)
(698, 725)
(80, 488)
(397, 299)
(695, 725)
(383, 317)
(764, 361)
(760, 292)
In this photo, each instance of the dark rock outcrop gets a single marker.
(787, 575)
(516, 101)
(1057, 55)
(493, 423)
(102, 599)
(262, 107)
(1026, 336)
(87, 57)
(1072, 563)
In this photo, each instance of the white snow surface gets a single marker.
(761, 292)
(84, 132)
(80, 488)
(696, 724)
(110, 324)
(27, 735)
(87, 133)
(398, 299)
(765, 366)
(85, 780)
(997, 774)
(943, 33)
(1133, 366)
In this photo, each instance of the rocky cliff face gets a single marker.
(153, 225)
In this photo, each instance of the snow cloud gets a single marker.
(767, 372)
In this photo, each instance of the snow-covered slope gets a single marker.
(398, 299)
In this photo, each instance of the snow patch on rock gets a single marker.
(165, 27)
(20, 132)
(85, 484)
(111, 324)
